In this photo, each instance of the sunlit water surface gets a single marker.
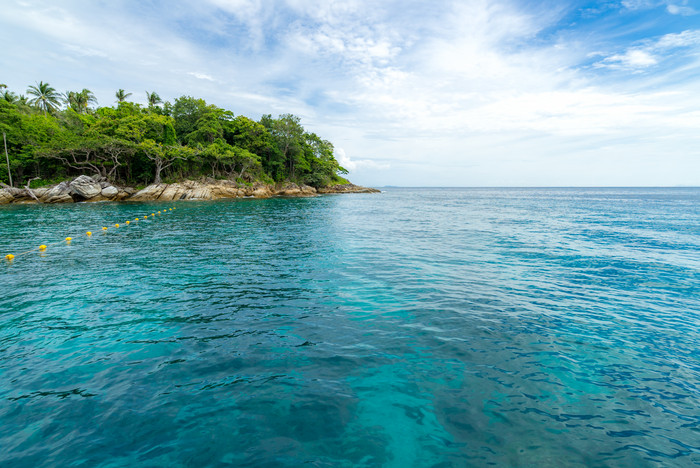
(417, 327)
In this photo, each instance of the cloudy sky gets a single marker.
(415, 93)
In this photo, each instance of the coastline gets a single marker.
(92, 189)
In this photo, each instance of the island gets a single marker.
(63, 148)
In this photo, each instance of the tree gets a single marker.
(231, 158)
(99, 153)
(153, 99)
(164, 156)
(288, 132)
(45, 97)
(121, 95)
(79, 100)
(209, 126)
(187, 111)
(9, 96)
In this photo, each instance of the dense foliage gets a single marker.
(52, 136)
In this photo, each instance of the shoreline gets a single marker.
(89, 189)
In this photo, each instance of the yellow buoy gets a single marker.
(116, 225)
(104, 228)
(145, 217)
(127, 222)
(159, 212)
(68, 239)
(9, 257)
(88, 233)
(136, 219)
(153, 214)
(42, 247)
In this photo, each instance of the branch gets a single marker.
(29, 191)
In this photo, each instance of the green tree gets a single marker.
(187, 111)
(80, 100)
(164, 156)
(121, 95)
(9, 96)
(153, 99)
(45, 97)
(209, 126)
(288, 132)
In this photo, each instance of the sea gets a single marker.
(417, 327)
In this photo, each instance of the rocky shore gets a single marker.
(93, 189)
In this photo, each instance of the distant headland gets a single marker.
(186, 149)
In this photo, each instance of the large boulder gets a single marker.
(60, 193)
(85, 187)
(110, 191)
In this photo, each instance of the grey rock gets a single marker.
(85, 187)
(110, 191)
(58, 194)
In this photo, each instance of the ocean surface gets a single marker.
(412, 328)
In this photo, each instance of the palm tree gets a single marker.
(121, 95)
(153, 99)
(45, 97)
(79, 100)
(9, 96)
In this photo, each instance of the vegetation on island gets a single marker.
(52, 136)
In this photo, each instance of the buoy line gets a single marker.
(67, 240)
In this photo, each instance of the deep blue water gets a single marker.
(417, 327)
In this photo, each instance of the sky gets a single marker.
(411, 93)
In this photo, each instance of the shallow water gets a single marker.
(417, 327)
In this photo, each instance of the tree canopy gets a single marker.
(53, 137)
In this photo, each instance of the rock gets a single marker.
(201, 192)
(60, 193)
(347, 188)
(290, 189)
(173, 192)
(123, 194)
(152, 192)
(262, 192)
(223, 190)
(40, 192)
(110, 191)
(85, 187)
(5, 197)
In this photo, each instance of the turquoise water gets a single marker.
(417, 327)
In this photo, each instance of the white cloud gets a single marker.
(357, 164)
(460, 90)
(201, 76)
(649, 53)
(631, 58)
(681, 10)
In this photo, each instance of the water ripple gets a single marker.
(470, 327)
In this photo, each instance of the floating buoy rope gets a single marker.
(43, 247)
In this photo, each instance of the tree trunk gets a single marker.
(159, 167)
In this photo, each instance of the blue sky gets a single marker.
(453, 93)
